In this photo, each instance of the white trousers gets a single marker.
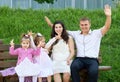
(21, 79)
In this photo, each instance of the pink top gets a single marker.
(22, 53)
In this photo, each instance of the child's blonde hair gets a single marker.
(25, 37)
(38, 37)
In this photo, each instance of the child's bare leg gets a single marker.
(49, 78)
(40, 79)
(57, 77)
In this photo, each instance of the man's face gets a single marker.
(85, 26)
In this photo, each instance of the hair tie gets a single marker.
(26, 35)
(39, 34)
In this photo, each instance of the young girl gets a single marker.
(25, 66)
(43, 59)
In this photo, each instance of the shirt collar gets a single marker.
(90, 31)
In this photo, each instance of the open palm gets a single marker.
(107, 10)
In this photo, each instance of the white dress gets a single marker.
(60, 53)
(45, 63)
(27, 68)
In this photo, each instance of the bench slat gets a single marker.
(6, 55)
(5, 47)
(105, 68)
(7, 64)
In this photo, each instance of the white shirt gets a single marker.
(87, 45)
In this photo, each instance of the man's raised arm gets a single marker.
(107, 11)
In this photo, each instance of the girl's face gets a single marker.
(42, 42)
(25, 44)
(58, 29)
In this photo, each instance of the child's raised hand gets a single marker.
(30, 33)
(39, 45)
(12, 43)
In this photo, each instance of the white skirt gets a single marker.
(27, 68)
(45, 63)
(61, 67)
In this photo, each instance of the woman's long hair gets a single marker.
(64, 34)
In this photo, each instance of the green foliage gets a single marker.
(14, 22)
(47, 1)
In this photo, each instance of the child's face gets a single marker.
(25, 44)
(42, 43)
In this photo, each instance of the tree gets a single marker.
(47, 1)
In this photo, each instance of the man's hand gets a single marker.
(107, 10)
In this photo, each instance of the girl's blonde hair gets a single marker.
(25, 37)
(38, 38)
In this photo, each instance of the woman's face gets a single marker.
(58, 29)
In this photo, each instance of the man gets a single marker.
(88, 44)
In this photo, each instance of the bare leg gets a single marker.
(49, 78)
(66, 77)
(57, 77)
(40, 79)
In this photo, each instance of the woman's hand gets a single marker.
(58, 36)
(48, 21)
(68, 61)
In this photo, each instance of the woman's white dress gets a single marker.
(60, 53)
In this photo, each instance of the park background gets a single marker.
(14, 22)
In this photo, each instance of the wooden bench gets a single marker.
(7, 61)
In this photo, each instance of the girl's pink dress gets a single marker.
(25, 66)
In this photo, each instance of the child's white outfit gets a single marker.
(46, 67)
(27, 68)
(44, 61)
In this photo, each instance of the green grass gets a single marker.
(14, 22)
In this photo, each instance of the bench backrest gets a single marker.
(6, 60)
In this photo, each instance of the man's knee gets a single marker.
(93, 72)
